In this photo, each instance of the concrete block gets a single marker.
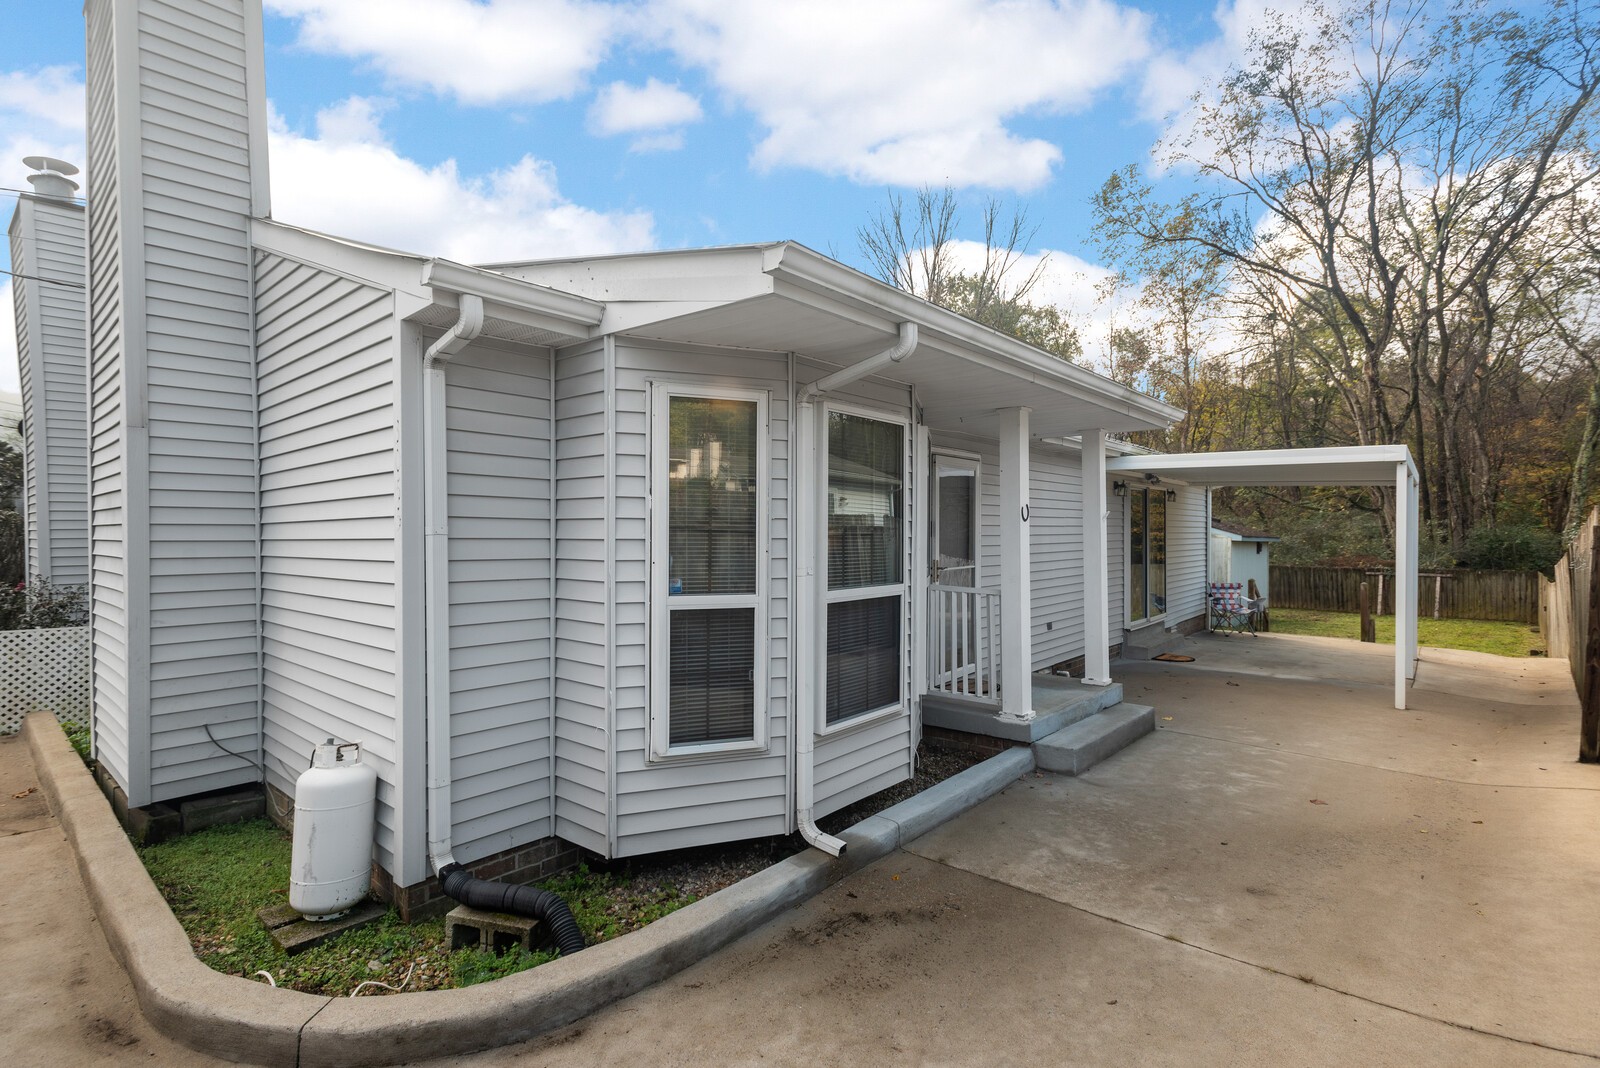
(202, 812)
(465, 926)
(295, 934)
(1081, 746)
(154, 824)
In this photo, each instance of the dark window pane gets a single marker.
(711, 496)
(712, 685)
(866, 458)
(1136, 556)
(1158, 551)
(863, 656)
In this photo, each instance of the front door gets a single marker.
(953, 570)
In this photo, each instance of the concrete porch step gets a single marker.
(1146, 643)
(1076, 749)
(1058, 702)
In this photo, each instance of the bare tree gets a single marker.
(913, 247)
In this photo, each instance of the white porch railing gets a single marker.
(964, 643)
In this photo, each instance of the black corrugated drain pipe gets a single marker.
(542, 905)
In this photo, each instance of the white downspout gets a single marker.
(807, 629)
(809, 512)
(845, 375)
(436, 571)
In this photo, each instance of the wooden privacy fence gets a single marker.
(1567, 616)
(1504, 595)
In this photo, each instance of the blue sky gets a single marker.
(525, 128)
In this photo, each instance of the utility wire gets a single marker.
(48, 281)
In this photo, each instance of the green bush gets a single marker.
(42, 605)
(1513, 547)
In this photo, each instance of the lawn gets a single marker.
(1474, 635)
(216, 879)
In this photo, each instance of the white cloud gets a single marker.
(53, 94)
(1066, 282)
(640, 109)
(907, 92)
(525, 51)
(348, 180)
(41, 114)
(655, 105)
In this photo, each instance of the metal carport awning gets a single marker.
(1356, 465)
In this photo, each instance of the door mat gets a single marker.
(1174, 658)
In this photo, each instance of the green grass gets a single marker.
(216, 879)
(1473, 635)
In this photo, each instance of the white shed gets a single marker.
(1239, 554)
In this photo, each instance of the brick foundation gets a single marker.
(520, 864)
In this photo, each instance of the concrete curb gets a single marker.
(242, 1020)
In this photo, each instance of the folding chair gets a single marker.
(1230, 609)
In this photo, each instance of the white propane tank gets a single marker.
(335, 805)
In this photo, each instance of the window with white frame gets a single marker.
(866, 566)
(1147, 553)
(708, 571)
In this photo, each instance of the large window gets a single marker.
(866, 566)
(1147, 553)
(709, 455)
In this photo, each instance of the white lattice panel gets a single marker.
(43, 671)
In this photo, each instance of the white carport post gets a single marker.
(1096, 564)
(1405, 581)
(1016, 591)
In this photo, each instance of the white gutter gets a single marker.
(845, 375)
(436, 571)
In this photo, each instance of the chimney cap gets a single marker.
(49, 163)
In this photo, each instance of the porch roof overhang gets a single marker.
(786, 298)
(1355, 465)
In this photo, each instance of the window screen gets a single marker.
(712, 675)
(711, 481)
(863, 656)
(865, 462)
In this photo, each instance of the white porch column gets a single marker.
(1405, 581)
(1016, 589)
(1096, 564)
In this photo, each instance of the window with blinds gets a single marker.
(709, 453)
(866, 565)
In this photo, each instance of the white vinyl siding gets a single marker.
(328, 355)
(582, 745)
(498, 432)
(47, 247)
(1186, 555)
(675, 803)
(173, 446)
(200, 403)
(120, 744)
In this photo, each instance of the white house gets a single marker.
(622, 554)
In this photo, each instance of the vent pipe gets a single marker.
(51, 179)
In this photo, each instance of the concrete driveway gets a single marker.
(1287, 872)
